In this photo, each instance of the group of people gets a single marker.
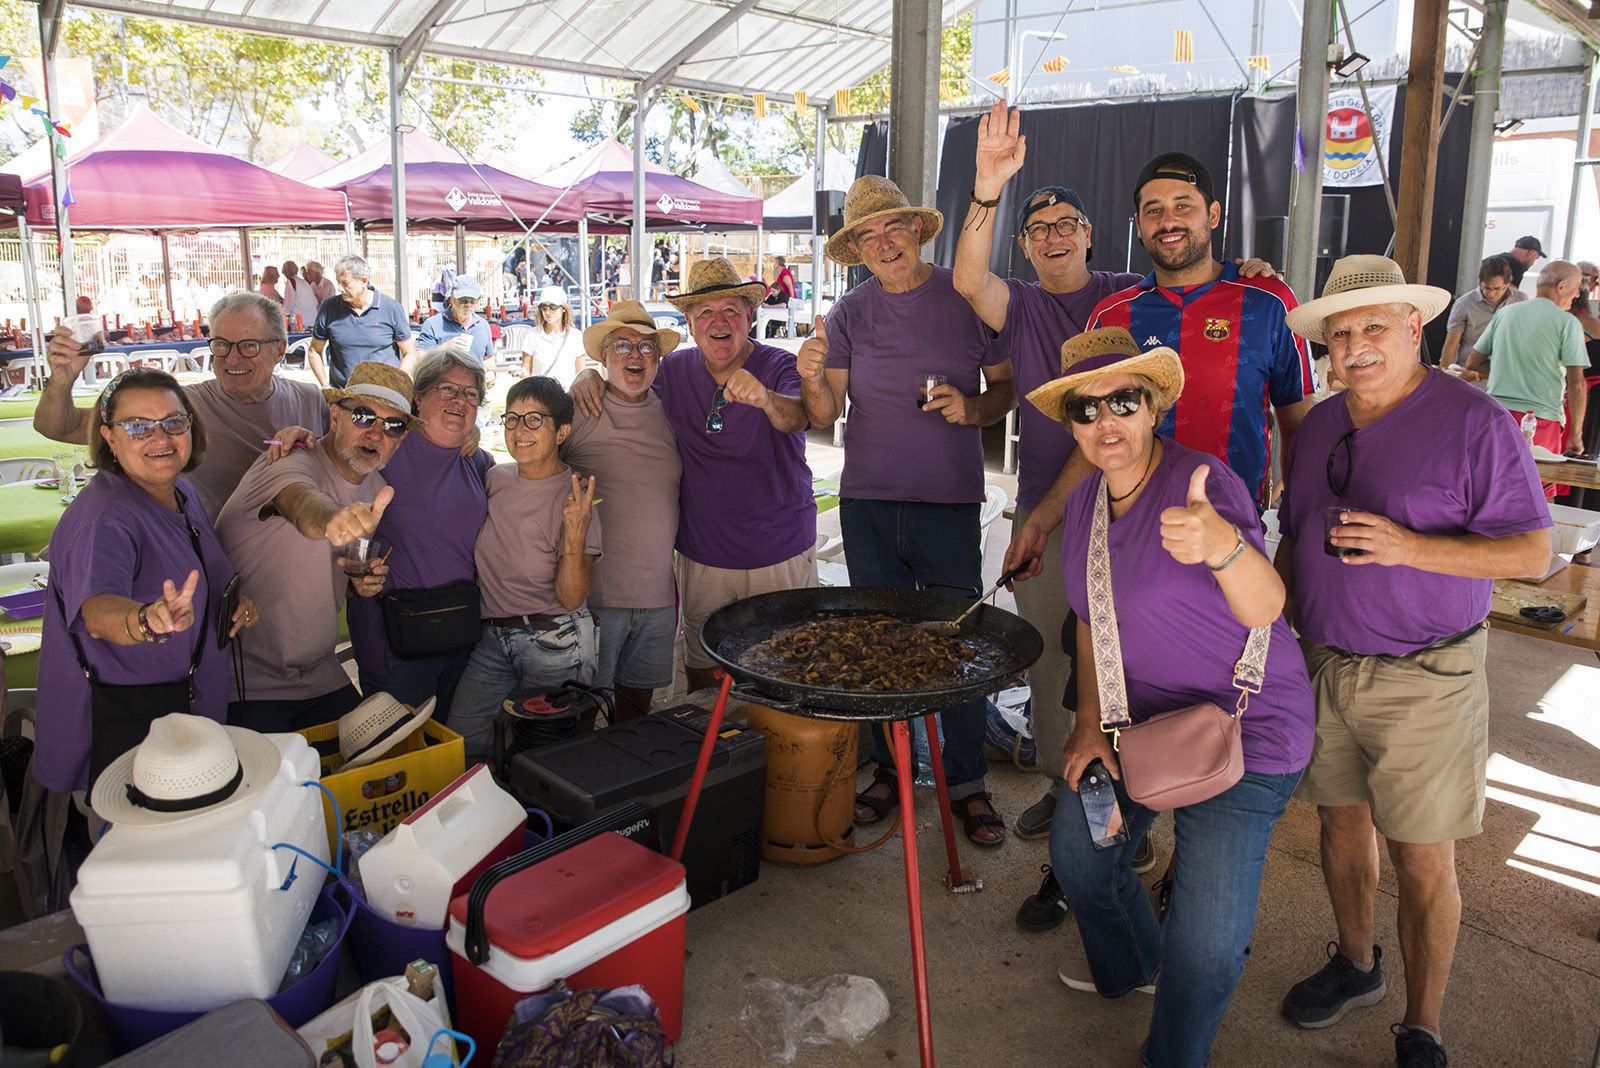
(300, 293)
(667, 483)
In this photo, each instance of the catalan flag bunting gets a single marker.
(841, 101)
(1183, 46)
(1001, 76)
(800, 102)
(760, 101)
(1054, 66)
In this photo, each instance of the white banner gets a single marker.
(1350, 143)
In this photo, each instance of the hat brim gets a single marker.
(838, 247)
(258, 755)
(333, 395)
(1161, 366)
(754, 291)
(1307, 319)
(667, 339)
(408, 726)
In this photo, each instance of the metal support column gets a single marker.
(30, 297)
(166, 276)
(1419, 145)
(586, 305)
(914, 99)
(461, 248)
(244, 254)
(819, 225)
(1581, 177)
(397, 171)
(50, 15)
(641, 249)
(1305, 198)
(1480, 150)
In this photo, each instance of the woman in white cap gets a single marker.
(555, 349)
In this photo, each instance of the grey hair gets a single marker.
(269, 311)
(354, 266)
(436, 363)
(1555, 272)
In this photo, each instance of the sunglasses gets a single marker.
(1338, 485)
(531, 420)
(719, 401)
(364, 418)
(174, 426)
(1085, 411)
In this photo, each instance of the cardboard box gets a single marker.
(377, 796)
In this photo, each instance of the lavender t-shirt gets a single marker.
(895, 451)
(117, 539)
(1179, 638)
(1037, 324)
(519, 547)
(1447, 460)
(236, 433)
(428, 531)
(745, 500)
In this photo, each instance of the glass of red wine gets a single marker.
(1333, 516)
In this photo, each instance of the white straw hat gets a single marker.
(187, 766)
(1100, 353)
(377, 725)
(1360, 281)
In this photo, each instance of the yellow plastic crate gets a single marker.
(377, 796)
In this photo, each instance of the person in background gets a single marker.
(269, 284)
(84, 305)
(780, 292)
(300, 300)
(554, 349)
(321, 287)
(439, 295)
(1524, 254)
(1470, 314)
(360, 325)
(457, 325)
(535, 558)
(1588, 499)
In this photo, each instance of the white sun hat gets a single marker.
(377, 725)
(187, 766)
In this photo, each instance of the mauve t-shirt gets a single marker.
(1037, 324)
(117, 539)
(1446, 461)
(1179, 638)
(428, 531)
(893, 450)
(235, 432)
(630, 451)
(745, 500)
(520, 544)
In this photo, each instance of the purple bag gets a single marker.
(589, 1029)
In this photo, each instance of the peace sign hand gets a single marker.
(174, 611)
(575, 514)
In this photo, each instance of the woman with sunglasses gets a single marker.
(1189, 581)
(136, 588)
(555, 348)
(535, 558)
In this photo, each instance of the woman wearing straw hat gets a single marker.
(1187, 585)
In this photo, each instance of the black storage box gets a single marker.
(651, 760)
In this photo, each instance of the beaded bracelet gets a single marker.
(144, 625)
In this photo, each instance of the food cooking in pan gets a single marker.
(867, 652)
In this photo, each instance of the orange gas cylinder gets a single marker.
(811, 774)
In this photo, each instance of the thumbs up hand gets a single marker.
(1196, 533)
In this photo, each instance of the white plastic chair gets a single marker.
(294, 355)
(108, 365)
(833, 573)
(829, 546)
(26, 469)
(995, 500)
(165, 359)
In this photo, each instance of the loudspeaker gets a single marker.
(1272, 240)
(829, 208)
(1333, 226)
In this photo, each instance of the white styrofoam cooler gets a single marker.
(1576, 529)
(189, 916)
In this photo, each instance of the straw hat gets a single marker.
(379, 382)
(713, 278)
(1360, 281)
(871, 196)
(1099, 354)
(187, 766)
(630, 314)
(377, 725)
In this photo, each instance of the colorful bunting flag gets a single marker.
(1001, 76)
(7, 91)
(4, 60)
(27, 101)
(689, 101)
(841, 101)
(1183, 46)
(1054, 66)
(1124, 69)
(800, 102)
(760, 101)
(1259, 63)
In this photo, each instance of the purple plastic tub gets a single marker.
(131, 1027)
(24, 604)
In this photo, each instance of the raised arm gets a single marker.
(56, 417)
(317, 515)
(1001, 150)
(822, 388)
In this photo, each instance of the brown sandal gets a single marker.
(880, 806)
(974, 818)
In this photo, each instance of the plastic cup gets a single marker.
(88, 332)
(1333, 517)
(358, 557)
(926, 387)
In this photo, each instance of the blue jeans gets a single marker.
(508, 659)
(917, 545)
(1220, 849)
(412, 682)
(635, 646)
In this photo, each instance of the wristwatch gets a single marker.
(1238, 551)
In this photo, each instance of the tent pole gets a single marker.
(166, 275)
(349, 230)
(586, 315)
(50, 15)
(819, 182)
(1305, 196)
(30, 297)
(244, 252)
(1581, 182)
(397, 172)
(461, 248)
(641, 260)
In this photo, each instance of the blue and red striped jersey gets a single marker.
(1239, 357)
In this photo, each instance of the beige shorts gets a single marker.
(1407, 735)
(703, 589)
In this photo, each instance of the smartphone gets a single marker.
(230, 605)
(1098, 795)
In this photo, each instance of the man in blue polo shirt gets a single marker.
(459, 325)
(357, 325)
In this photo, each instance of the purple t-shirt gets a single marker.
(1037, 324)
(429, 529)
(1179, 638)
(745, 500)
(117, 539)
(1445, 461)
(893, 450)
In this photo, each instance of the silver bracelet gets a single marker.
(1238, 551)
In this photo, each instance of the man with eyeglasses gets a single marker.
(357, 326)
(285, 529)
(459, 327)
(243, 405)
(1406, 497)
(1470, 314)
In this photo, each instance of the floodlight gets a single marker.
(1348, 66)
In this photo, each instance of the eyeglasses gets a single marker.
(450, 392)
(531, 420)
(364, 418)
(174, 426)
(1347, 441)
(1085, 411)
(1066, 226)
(249, 347)
(623, 347)
(719, 401)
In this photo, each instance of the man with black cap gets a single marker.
(1524, 254)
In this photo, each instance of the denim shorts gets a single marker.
(635, 646)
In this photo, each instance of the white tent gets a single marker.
(789, 210)
(710, 171)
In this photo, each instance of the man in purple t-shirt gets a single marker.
(1406, 497)
(908, 352)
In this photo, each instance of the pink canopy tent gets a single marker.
(302, 162)
(603, 176)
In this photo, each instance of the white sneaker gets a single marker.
(1074, 972)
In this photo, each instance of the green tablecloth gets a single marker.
(22, 405)
(22, 669)
(825, 491)
(26, 441)
(28, 515)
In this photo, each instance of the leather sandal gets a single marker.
(974, 818)
(880, 806)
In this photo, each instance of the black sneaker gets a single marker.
(1045, 910)
(1338, 987)
(1144, 857)
(1415, 1048)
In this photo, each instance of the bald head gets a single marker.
(1554, 273)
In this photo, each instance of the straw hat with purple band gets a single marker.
(1361, 281)
(377, 725)
(714, 278)
(378, 382)
(630, 314)
(870, 197)
(1100, 354)
(187, 766)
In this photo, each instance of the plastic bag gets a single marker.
(781, 1018)
(316, 940)
(355, 844)
(351, 1021)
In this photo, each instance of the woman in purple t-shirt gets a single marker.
(1182, 628)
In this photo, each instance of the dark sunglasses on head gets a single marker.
(363, 418)
(173, 426)
(719, 401)
(1340, 486)
(1085, 410)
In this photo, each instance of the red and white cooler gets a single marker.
(606, 912)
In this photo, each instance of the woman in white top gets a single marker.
(555, 348)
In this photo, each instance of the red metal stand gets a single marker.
(930, 724)
(701, 766)
(908, 839)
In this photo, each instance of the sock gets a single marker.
(1431, 1034)
(1362, 968)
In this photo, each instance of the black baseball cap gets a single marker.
(1180, 166)
(1531, 243)
(1048, 196)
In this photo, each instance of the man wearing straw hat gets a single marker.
(1406, 497)
(912, 487)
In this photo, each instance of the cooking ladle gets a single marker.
(951, 627)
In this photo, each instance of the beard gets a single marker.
(1194, 248)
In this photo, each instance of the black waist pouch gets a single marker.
(431, 622)
(121, 716)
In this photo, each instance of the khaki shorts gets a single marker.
(703, 589)
(1407, 735)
